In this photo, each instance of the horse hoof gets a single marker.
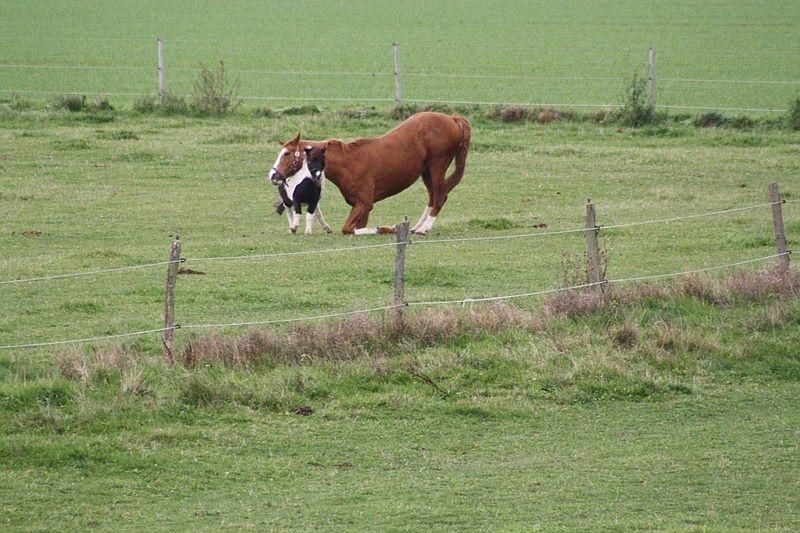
(292, 231)
(419, 232)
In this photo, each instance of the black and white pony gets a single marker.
(303, 187)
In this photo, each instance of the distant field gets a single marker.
(738, 55)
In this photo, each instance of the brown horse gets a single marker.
(369, 170)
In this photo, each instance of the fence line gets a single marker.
(162, 88)
(21, 66)
(388, 244)
(430, 303)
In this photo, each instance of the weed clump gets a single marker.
(539, 115)
(793, 117)
(635, 110)
(76, 103)
(214, 93)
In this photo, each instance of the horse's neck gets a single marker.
(337, 155)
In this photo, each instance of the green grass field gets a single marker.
(673, 405)
(541, 52)
(670, 413)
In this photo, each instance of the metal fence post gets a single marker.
(162, 74)
(592, 247)
(651, 79)
(397, 92)
(777, 224)
(169, 303)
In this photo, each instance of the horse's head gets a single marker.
(315, 159)
(289, 161)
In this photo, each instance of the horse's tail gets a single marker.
(461, 152)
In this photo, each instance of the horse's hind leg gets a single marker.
(426, 178)
(437, 192)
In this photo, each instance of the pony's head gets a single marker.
(289, 162)
(315, 159)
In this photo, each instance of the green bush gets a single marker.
(214, 93)
(793, 119)
(635, 110)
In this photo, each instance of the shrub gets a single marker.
(636, 111)
(78, 102)
(18, 103)
(69, 102)
(174, 104)
(793, 119)
(214, 93)
(710, 120)
(145, 104)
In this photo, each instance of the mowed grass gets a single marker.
(543, 52)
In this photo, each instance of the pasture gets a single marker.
(672, 405)
(740, 56)
(566, 426)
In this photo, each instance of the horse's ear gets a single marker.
(296, 139)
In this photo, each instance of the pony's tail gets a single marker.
(461, 152)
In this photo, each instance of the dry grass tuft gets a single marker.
(350, 339)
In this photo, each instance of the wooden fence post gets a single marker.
(400, 271)
(169, 304)
(777, 223)
(651, 79)
(162, 74)
(592, 247)
(397, 91)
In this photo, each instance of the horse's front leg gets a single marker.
(359, 216)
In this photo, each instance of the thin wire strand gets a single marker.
(506, 297)
(88, 273)
(743, 82)
(289, 320)
(88, 339)
(689, 217)
(698, 270)
(286, 254)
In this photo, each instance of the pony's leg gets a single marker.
(309, 221)
(295, 221)
(290, 217)
(321, 220)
